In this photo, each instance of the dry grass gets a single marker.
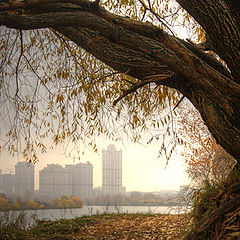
(106, 226)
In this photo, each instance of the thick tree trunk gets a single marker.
(221, 21)
(148, 53)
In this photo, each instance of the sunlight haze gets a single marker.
(142, 170)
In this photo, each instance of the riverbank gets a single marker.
(104, 226)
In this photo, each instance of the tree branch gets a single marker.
(140, 84)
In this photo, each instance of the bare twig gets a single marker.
(159, 18)
(147, 80)
(178, 103)
(18, 63)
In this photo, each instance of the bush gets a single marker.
(4, 205)
(32, 204)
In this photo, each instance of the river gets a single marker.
(54, 214)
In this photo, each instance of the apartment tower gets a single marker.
(81, 177)
(24, 180)
(111, 171)
(54, 182)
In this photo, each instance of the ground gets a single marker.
(108, 226)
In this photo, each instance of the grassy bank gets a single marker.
(104, 226)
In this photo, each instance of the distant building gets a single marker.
(56, 181)
(8, 183)
(24, 180)
(81, 178)
(111, 171)
(53, 182)
(1, 178)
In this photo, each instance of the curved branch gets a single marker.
(147, 52)
(157, 46)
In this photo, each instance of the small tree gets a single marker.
(77, 201)
(4, 205)
(209, 167)
(32, 204)
(18, 203)
(42, 206)
(204, 157)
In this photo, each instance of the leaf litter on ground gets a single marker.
(108, 226)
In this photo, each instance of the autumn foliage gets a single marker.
(4, 205)
(67, 202)
(204, 157)
(18, 204)
(32, 204)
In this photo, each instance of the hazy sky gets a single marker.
(142, 170)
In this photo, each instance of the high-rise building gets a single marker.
(81, 177)
(24, 180)
(8, 184)
(54, 182)
(111, 171)
(75, 179)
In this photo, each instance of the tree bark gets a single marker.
(220, 20)
(148, 53)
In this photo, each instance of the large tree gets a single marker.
(150, 54)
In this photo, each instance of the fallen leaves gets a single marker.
(105, 226)
(134, 226)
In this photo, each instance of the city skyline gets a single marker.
(72, 180)
(142, 170)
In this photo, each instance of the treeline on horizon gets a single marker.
(136, 198)
(133, 199)
(19, 204)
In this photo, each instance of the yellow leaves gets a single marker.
(41, 146)
(67, 202)
(42, 206)
(201, 153)
(134, 226)
(127, 2)
(11, 148)
(54, 116)
(201, 35)
(74, 92)
(31, 204)
(60, 98)
(63, 112)
(18, 203)
(77, 201)
(136, 120)
(56, 139)
(9, 133)
(62, 74)
(4, 205)
(33, 40)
